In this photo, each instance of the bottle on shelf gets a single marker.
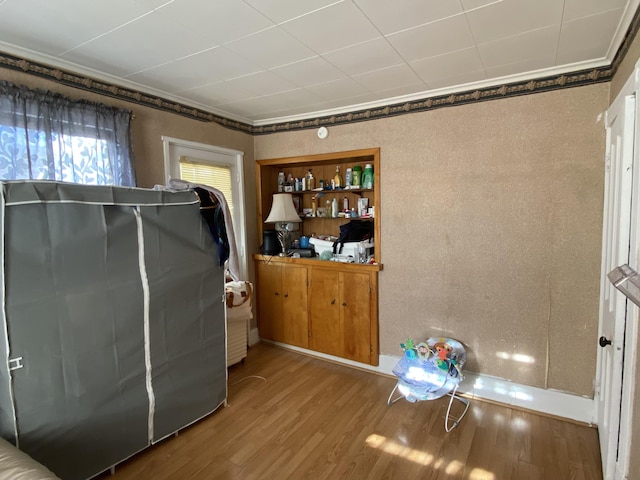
(337, 178)
(357, 176)
(367, 176)
(334, 208)
(281, 180)
(311, 182)
(289, 184)
(345, 204)
(348, 177)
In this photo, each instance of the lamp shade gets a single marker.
(282, 209)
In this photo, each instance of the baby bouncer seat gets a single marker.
(430, 370)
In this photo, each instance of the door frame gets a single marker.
(630, 334)
(173, 148)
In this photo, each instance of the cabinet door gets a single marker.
(269, 291)
(325, 309)
(340, 314)
(356, 316)
(295, 319)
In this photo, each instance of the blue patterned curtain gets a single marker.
(46, 136)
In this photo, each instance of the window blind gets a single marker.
(205, 173)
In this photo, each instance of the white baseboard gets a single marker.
(547, 401)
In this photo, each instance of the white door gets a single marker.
(616, 241)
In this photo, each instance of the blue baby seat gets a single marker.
(430, 370)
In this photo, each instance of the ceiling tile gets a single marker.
(219, 20)
(309, 72)
(587, 38)
(211, 66)
(282, 10)
(448, 65)
(150, 40)
(290, 101)
(263, 83)
(271, 48)
(519, 68)
(574, 9)
(462, 81)
(352, 103)
(407, 13)
(262, 58)
(512, 17)
(541, 43)
(217, 93)
(151, 4)
(387, 78)
(473, 4)
(433, 39)
(338, 89)
(52, 30)
(401, 91)
(332, 28)
(364, 57)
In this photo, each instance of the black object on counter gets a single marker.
(270, 243)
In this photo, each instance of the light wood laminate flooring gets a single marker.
(313, 419)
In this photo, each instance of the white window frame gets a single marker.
(174, 148)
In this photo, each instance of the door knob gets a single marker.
(604, 341)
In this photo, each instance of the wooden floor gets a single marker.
(311, 419)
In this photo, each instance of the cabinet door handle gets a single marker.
(286, 295)
(333, 301)
(344, 304)
(277, 293)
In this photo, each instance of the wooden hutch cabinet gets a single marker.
(321, 305)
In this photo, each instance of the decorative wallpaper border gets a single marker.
(554, 82)
(81, 82)
(576, 79)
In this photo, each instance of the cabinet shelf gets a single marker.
(323, 167)
(364, 219)
(334, 191)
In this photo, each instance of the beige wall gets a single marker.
(491, 228)
(622, 74)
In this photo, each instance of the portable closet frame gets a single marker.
(113, 322)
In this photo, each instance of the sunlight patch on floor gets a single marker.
(426, 459)
(394, 448)
(481, 474)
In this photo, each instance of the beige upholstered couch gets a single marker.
(17, 465)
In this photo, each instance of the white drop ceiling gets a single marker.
(268, 61)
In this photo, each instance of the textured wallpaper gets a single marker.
(491, 229)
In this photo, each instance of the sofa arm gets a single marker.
(17, 465)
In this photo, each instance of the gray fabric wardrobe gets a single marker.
(113, 322)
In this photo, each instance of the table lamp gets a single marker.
(283, 212)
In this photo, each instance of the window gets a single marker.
(214, 175)
(217, 167)
(45, 136)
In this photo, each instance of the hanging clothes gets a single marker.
(234, 263)
(211, 211)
